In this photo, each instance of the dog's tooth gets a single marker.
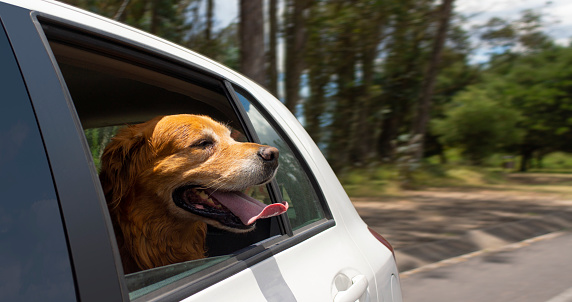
(203, 195)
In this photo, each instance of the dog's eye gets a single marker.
(203, 144)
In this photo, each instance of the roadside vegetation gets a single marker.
(497, 172)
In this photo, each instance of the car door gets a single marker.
(306, 255)
(93, 262)
(34, 260)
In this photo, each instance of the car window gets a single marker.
(110, 94)
(34, 260)
(293, 181)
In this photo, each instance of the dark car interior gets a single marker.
(110, 92)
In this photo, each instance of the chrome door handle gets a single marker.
(354, 292)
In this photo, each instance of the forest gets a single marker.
(387, 82)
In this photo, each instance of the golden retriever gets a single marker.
(166, 179)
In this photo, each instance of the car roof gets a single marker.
(114, 28)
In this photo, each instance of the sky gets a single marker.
(558, 15)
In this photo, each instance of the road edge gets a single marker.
(411, 259)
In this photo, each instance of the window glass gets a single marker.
(148, 281)
(110, 94)
(34, 260)
(294, 184)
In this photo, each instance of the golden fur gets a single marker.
(144, 164)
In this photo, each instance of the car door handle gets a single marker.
(354, 292)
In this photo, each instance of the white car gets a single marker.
(68, 80)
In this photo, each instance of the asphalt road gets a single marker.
(537, 271)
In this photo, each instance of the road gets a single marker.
(537, 271)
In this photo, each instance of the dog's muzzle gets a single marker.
(232, 209)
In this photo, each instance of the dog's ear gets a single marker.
(122, 160)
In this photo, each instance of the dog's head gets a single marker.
(187, 168)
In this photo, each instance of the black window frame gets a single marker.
(276, 126)
(94, 260)
(34, 232)
(55, 110)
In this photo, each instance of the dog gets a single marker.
(166, 179)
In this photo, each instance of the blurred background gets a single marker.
(440, 118)
(391, 83)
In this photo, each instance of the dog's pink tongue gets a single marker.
(247, 208)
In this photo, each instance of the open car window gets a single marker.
(112, 90)
(113, 84)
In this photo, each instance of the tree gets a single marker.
(478, 124)
(424, 106)
(272, 82)
(522, 35)
(295, 36)
(342, 47)
(539, 85)
(405, 57)
(252, 40)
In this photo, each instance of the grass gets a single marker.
(384, 180)
(378, 181)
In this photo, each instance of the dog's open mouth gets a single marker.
(231, 209)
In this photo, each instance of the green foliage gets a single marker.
(557, 161)
(97, 139)
(372, 181)
(538, 85)
(478, 124)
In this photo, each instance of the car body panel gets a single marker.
(287, 277)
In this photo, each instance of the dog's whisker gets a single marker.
(221, 184)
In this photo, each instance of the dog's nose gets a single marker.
(268, 153)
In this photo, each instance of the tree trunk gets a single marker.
(525, 160)
(295, 45)
(209, 25)
(315, 106)
(252, 40)
(390, 129)
(272, 84)
(424, 107)
(526, 156)
(401, 76)
(343, 119)
(154, 27)
(118, 15)
(363, 143)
